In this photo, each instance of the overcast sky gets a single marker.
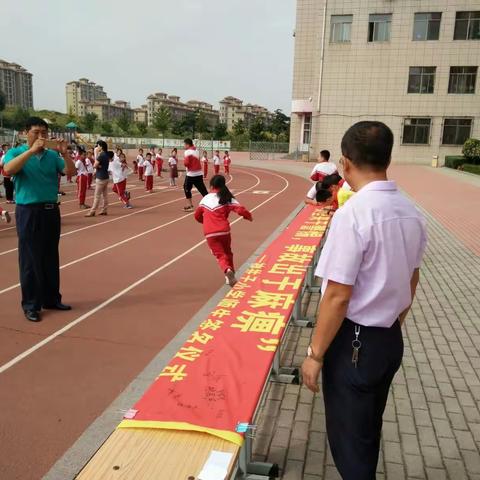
(197, 49)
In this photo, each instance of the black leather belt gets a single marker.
(43, 206)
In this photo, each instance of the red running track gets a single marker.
(134, 279)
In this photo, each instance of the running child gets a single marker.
(204, 161)
(173, 167)
(148, 171)
(120, 171)
(227, 162)
(213, 212)
(139, 164)
(82, 177)
(194, 173)
(159, 162)
(216, 162)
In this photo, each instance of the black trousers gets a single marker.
(196, 182)
(8, 184)
(355, 398)
(38, 229)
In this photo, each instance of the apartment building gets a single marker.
(413, 65)
(233, 110)
(178, 109)
(82, 92)
(16, 84)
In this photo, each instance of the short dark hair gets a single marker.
(148, 154)
(81, 150)
(189, 142)
(322, 195)
(35, 122)
(325, 154)
(368, 145)
(103, 145)
(331, 180)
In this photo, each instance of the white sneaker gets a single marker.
(230, 278)
(6, 216)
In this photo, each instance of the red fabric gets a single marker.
(216, 169)
(317, 177)
(216, 378)
(149, 182)
(159, 167)
(119, 188)
(216, 221)
(192, 160)
(226, 160)
(82, 184)
(222, 251)
(227, 169)
(205, 169)
(69, 178)
(140, 173)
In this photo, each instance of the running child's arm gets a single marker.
(243, 212)
(199, 214)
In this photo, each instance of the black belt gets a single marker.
(43, 206)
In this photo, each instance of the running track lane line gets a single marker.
(129, 239)
(80, 319)
(136, 212)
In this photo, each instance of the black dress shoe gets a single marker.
(57, 306)
(32, 315)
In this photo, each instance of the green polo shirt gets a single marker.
(37, 181)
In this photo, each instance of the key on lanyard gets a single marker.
(356, 344)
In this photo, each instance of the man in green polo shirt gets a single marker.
(35, 171)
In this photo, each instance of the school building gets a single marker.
(16, 84)
(412, 65)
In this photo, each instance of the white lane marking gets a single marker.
(138, 235)
(88, 314)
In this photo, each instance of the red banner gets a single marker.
(215, 380)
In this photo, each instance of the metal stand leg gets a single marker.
(254, 470)
(280, 374)
(297, 318)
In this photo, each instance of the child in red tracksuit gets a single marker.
(213, 212)
(226, 163)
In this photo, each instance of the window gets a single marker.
(379, 28)
(307, 128)
(426, 26)
(467, 26)
(421, 79)
(456, 131)
(416, 131)
(462, 79)
(341, 28)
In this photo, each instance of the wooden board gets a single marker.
(149, 454)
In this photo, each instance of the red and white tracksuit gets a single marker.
(159, 162)
(321, 170)
(82, 180)
(216, 164)
(216, 227)
(148, 169)
(119, 176)
(205, 166)
(226, 164)
(140, 162)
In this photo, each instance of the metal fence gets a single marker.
(267, 150)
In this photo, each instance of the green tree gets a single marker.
(142, 128)
(256, 130)
(280, 124)
(88, 121)
(3, 104)
(124, 122)
(19, 118)
(220, 131)
(106, 128)
(239, 127)
(177, 127)
(203, 126)
(189, 123)
(162, 120)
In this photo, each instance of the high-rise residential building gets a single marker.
(82, 92)
(233, 110)
(412, 65)
(106, 111)
(178, 110)
(140, 114)
(16, 84)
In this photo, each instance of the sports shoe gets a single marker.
(6, 216)
(230, 277)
